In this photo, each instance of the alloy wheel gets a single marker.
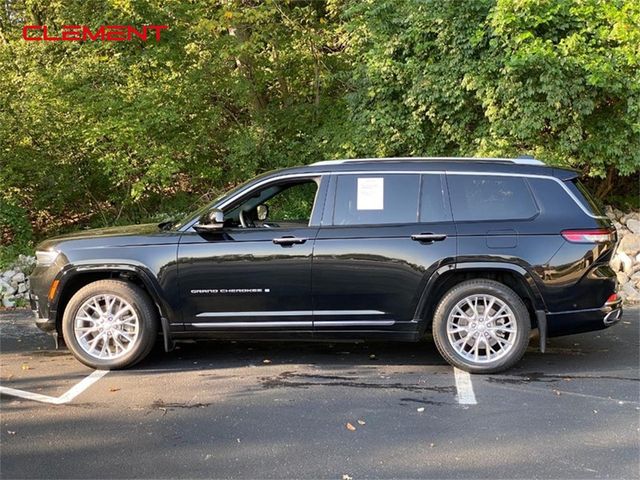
(482, 328)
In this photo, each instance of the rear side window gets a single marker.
(376, 199)
(490, 197)
(584, 196)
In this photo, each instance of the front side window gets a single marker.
(376, 199)
(281, 204)
(490, 197)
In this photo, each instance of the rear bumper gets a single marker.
(580, 321)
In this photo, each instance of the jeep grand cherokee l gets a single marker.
(477, 251)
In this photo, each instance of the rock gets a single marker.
(608, 211)
(625, 262)
(638, 258)
(22, 288)
(618, 213)
(7, 302)
(630, 244)
(18, 277)
(8, 290)
(622, 278)
(633, 224)
(8, 274)
(630, 293)
(615, 263)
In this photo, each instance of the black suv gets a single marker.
(477, 251)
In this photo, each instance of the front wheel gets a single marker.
(481, 326)
(110, 324)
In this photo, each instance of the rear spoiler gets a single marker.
(565, 174)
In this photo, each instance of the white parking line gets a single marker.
(464, 387)
(72, 393)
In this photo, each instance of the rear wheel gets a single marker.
(481, 326)
(110, 324)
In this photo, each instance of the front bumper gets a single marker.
(43, 322)
(580, 321)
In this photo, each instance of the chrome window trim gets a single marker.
(489, 174)
(419, 172)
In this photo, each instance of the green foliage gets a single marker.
(99, 133)
(15, 232)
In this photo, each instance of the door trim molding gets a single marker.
(289, 313)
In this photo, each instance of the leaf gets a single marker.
(420, 409)
(350, 427)
(362, 422)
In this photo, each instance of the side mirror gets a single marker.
(211, 221)
(263, 212)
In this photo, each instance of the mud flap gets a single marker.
(541, 318)
(169, 344)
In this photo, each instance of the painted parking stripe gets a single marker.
(72, 393)
(466, 396)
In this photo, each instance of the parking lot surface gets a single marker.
(305, 410)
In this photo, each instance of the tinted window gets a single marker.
(485, 197)
(433, 204)
(376, 199)
(585, 197)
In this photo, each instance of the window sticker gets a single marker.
(370, 193)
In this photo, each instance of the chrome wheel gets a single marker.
(106, 327)
(482, 328)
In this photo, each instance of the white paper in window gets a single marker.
(370, 194)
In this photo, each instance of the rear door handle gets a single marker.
(288, 240)
(428, 237)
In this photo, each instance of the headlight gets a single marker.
(46, 258)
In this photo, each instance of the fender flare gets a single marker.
(534, 293)
(72, 270)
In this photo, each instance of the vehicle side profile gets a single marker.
(476, 252)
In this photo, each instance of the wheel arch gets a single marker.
(512, 275)
(75, 276)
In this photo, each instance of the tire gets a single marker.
(109, 334)
(481, 326)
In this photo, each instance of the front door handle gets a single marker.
(288, 240)
(428, 237)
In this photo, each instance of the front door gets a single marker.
(255, 274)
(382, 236)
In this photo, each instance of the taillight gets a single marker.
(595, 235)
(613, 298)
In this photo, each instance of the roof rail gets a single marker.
(524, 160)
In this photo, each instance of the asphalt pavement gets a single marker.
(318, 410)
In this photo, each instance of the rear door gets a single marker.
(381, 237)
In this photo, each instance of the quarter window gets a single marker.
(486, 197)
(376, 199)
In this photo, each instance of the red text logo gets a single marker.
(80, 33)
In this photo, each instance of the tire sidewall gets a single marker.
(140, 304)
(498, 290)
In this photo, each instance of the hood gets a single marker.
(145, 234)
